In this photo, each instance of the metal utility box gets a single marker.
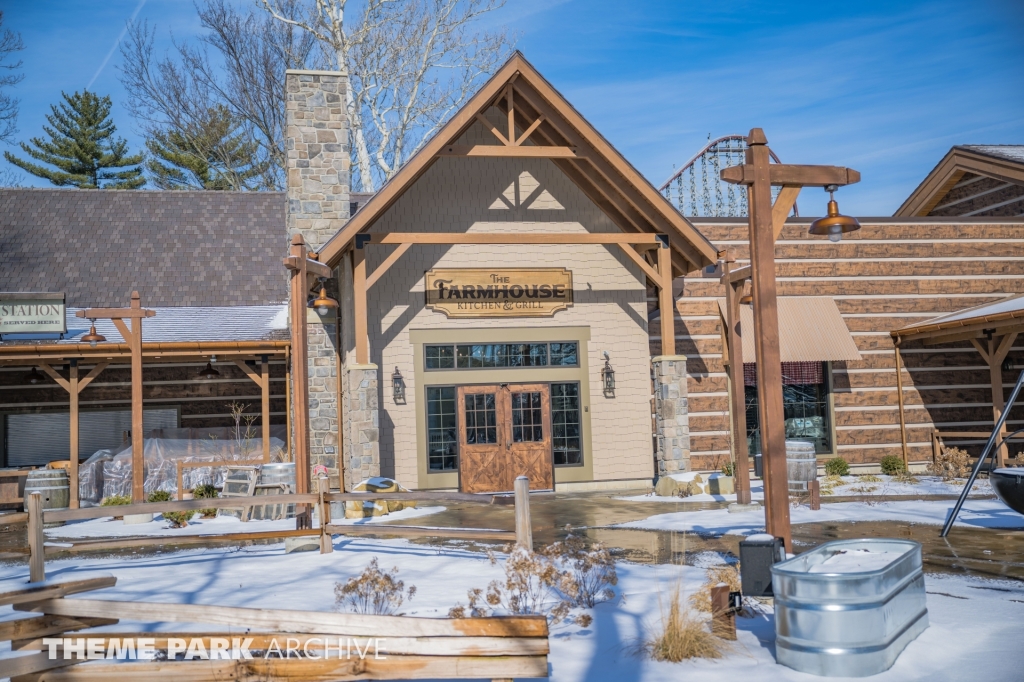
(757, 555)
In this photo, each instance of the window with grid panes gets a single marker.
(442, 429)
(566, 431)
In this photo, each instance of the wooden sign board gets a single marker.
(32, 313)
(506, 292)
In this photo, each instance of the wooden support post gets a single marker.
(288, 405)
(899, 398)
(326, 540)
(359, 301)
(815, 489)
(36, 539)
(138, 458)
(300, 374)
(665, 307)
(995, 370)
(935, 447)
(524, 531)
(723, 618)
(73, 450)
(766, 323)
(265, 407)
(737, 388)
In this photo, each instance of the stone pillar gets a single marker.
(672, 418)
(317, 153)
(362, 423)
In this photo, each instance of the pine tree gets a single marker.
(208, 154)
(82, 147)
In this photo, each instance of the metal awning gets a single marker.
(999, 318)
(810, 330)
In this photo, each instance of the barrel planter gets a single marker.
(1008, 485)
(52, 486)
(849, 607)
(801, 466)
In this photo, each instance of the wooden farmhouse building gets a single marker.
(517, 299)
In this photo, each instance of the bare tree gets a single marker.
(10, 42)
(410, 64)
(239, 64)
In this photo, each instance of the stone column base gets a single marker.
(672, 420)
(361, 423)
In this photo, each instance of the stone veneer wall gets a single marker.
(671, 410)
(317, 148)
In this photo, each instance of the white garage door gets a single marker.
(35, 439)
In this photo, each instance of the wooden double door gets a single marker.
(504, 432)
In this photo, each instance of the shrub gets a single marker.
(681, 636)
(837, 466)
(892, 465)
(177, 519)
(115, 501)
(206, 491)
(730, 575)
(592, 571)
(727, 469)
(951, 463)
(374, 591)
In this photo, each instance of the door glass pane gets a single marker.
(481, 419)
(442, 432)
(565, 424)
(527, 424)
(805, 409)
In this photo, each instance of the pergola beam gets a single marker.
(511, 151)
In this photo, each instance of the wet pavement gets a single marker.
(994, 553)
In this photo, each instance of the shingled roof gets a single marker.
(175, 248)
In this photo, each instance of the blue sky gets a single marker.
(883, 87)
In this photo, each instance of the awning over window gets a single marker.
(810, 330)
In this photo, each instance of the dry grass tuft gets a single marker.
(730, 575)
(952, 463)
(680, 636)
(869, 478)
(374, 591)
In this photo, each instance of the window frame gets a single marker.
(455, 356)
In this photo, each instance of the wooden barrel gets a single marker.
(801, 465)
(52, 486)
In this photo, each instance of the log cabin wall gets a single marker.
(201, 402)
(890, 273)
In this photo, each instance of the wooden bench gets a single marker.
(403, 648)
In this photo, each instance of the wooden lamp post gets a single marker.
(133, 338)
(766, 222)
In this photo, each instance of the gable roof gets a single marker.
(575, 147)
(971, 180)
(175, 248)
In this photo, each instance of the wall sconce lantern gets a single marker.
(834, 224)
(323, 305)
(608, 377)
(92, 338)
(398, 387)
(208, 372)
(33, 377)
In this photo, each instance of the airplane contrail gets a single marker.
(106, 60)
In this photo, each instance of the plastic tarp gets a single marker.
(108, 473)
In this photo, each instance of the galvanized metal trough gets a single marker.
(849, 607)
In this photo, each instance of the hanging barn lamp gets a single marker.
(33, 377)
(208, 372)
(92, 338)
(834, 224)
(323, 305)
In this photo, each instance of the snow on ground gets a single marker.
(974, 622)
(851, 486)
(975, 513)
(108, 527)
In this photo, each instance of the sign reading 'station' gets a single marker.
(513, 292)
(28, 313)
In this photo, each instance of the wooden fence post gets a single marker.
(815, 489)
(36, 562)
(524, 531)
(326, 540)
(723, 619)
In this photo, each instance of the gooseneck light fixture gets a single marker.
(834, 224)
(92, 338)
(323, 304)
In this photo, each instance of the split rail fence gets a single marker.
(39, 547)
(403, 648)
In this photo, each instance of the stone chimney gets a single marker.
(317, 148)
